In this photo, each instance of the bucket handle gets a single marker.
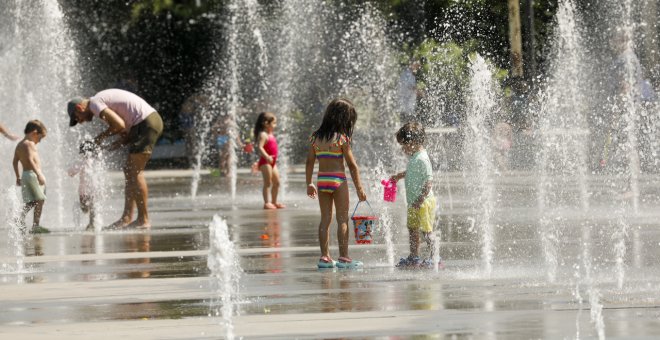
(358, 204)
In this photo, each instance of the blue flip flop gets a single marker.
(326, 262)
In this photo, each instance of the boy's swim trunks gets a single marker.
(30, 187)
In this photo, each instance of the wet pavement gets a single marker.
(555, 274)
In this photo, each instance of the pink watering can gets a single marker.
(389, 192)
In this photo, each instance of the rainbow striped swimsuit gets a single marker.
(329, 154)
(330, 181)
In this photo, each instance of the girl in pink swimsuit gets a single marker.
(267, 149)
(331, 145)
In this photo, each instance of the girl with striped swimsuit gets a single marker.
(331, 145)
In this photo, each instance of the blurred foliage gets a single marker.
(445, 71)
(177, 8)
(451, 59)
(165, 49)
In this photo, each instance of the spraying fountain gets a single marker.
(482, 105)
(283, 64)
(564, 133)
(223, 262)
(36, 85)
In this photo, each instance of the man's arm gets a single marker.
(115, 125)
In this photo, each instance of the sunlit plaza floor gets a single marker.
(155, 284)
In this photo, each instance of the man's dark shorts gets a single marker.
(142, 137)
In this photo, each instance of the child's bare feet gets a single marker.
(269, 206)
(90, 226)
(280, 206)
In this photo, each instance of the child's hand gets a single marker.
(18, 182)
(311, 191)
(269, 159)
(362, 196)
(255, 168)
(42, 180)
(395, 178)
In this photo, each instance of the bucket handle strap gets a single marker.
(358, 204)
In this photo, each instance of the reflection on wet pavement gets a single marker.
(77, 277)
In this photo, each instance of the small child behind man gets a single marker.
(32, 180)
(87, 190)
(419, 194)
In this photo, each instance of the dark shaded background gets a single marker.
(164, 50)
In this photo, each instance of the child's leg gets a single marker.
(267, 175)
(83, 204)
(340, 197)
(427, 223)
(414, 241)
(325, 204)
(87, 205)
(413, 224)
(38, 205)
(92, 214)
(129, 197)
(26, 208)
(275, 180)
(429, 238)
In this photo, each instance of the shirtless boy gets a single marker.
(32, 181)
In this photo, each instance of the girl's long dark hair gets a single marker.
(339, 117)
(259, 126)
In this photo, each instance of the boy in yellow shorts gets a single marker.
(419, 194)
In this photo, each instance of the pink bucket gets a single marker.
(389, 190)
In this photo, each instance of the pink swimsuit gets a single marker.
(271, 149)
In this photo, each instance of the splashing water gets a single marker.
(549, 242)
(223, 262)
(34, 78)
(282, 63)
(203, 134)
(241, 22)
(563, 114)
(16, 239)
(482, 102)
(619, 237)
(563, 132)
(597, 312)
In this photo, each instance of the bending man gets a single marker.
(138, 126)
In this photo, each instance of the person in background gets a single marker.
(267, 149)
(407, 91)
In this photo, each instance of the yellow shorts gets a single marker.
(424, 217)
